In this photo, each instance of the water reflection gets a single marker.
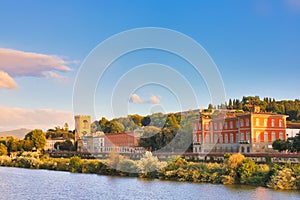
(19, 183)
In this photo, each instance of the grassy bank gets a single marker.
(235, 169)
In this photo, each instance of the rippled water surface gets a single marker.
(17, 183)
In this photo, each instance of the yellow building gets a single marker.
(82, 126)
(82, 129)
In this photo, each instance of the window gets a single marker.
(237, 124)
(221, 138)
(195, 126)
(215, 138)
(215, 126)
(273, 136)
(242, 136)
(85, 124)
(195, 138)
(265, 122)
(242, 122)
(280, 123)
(231, 137)
(207, 138)
(248, 136)
(247, 122)
(207, 127)
(226, 125)
(281, 135)
(257, 122)
(200, 138)
(237, 137)
(273, 122)
(199, 126)
(221, 125)
(226, 138)
(231, 125)
(265, 136)
(257, 136)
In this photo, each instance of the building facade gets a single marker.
(244, 132)
(100, 142)
(82, 129)
(51, 142)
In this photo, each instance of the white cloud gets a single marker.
(154, 99)
(134, 98)
(6, 81)
(19, 63)
(15, 118)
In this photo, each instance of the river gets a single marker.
(18, 183)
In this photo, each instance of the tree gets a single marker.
(12, 144)
(27, 144)
(3, 150)
(146, 121)
(210, 107)
(296, 143)
(280, 145)
(66, 126)
(37, 137)
(149, 164)
(103, 123)
(230, 105)
(65, 146)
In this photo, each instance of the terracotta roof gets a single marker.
(293, 125)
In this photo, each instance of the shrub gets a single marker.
(5, 161)
(284, 179)
(75, 164)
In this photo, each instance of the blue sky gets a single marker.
(255, 45)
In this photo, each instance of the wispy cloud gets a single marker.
(134, 98)
(19, 63)
(15, 118)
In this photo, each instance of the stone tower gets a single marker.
(82, 126)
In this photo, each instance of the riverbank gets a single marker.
(235, 169)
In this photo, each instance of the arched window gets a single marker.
(85, 124)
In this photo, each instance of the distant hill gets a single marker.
(18, 133)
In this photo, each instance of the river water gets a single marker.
(17, 183)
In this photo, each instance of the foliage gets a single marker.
(247, 172)
(280, 145)
(127, 166)
(3, 150)
(58, 132)
(65, 146)
(287, 107)
(284, 179)
(75, 164)
(148, 165)
(37, 137)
